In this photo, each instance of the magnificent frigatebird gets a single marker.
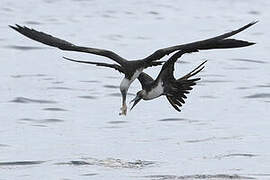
(164, 84)
(132, 69)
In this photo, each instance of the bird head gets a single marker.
(137, 99)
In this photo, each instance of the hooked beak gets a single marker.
(135, 100)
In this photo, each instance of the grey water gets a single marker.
(59, 119)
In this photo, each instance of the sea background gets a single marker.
(59, 119)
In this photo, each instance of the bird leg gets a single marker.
(124, 107)
(123, 89)
(123, 110)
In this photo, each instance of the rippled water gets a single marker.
(59, 120)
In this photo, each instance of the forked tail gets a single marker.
(183, 86)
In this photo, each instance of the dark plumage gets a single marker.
(174, 89)
(166, 84)
(132, 69)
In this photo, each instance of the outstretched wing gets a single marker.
(114, 66)
(144, 78)
(204, 44)
(168, 67)
(182, 87)
(65, 45)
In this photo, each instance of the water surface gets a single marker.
(60, 120)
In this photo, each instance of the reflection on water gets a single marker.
(240, 155)
(60, 88)
(250, 60)
(52, 120)
(58, 82)
(209, 97)
(200, 140)
(117, 122)
(21, 163)
(173, 119)
(88, 97)
(28, 100)
(264, 85)
(28, 75)
(54, 109)
(32, 23)
(111, 86)
(90, 81)
(90, 174)
(76, 163)
(214, 81)
(23, 48)
(110, 163)
(258, 96)
(198, 176)
(3, 145)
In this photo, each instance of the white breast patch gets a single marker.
(155, 92)
(136, 74)
(126, 82)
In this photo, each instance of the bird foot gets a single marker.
(123, 110)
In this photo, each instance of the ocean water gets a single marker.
(59, 120)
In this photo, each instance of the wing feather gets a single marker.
(204, 44)
(63, 44)
(114, 66)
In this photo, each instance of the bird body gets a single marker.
(155, 91)
(125, 83)
(166, 84)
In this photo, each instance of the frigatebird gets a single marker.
(164, 84)
(132, 69)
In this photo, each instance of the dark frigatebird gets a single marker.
(164, 84)
(132, 69)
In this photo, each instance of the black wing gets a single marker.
(177, 98)
(145, 80)
(183, 86)
(204, 44)
(192, 73)
(114, 66)
(168, 67)
(65, 45)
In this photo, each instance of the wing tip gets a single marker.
(17, 27)
(251, 24)
(13, 27)
(251, 43)
(69, 59)
(245, 43)
(254, 22)
(173, 104)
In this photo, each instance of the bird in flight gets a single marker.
(132, 69)
(164, 84)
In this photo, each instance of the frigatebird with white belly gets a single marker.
(166, 84)
(132, 69)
